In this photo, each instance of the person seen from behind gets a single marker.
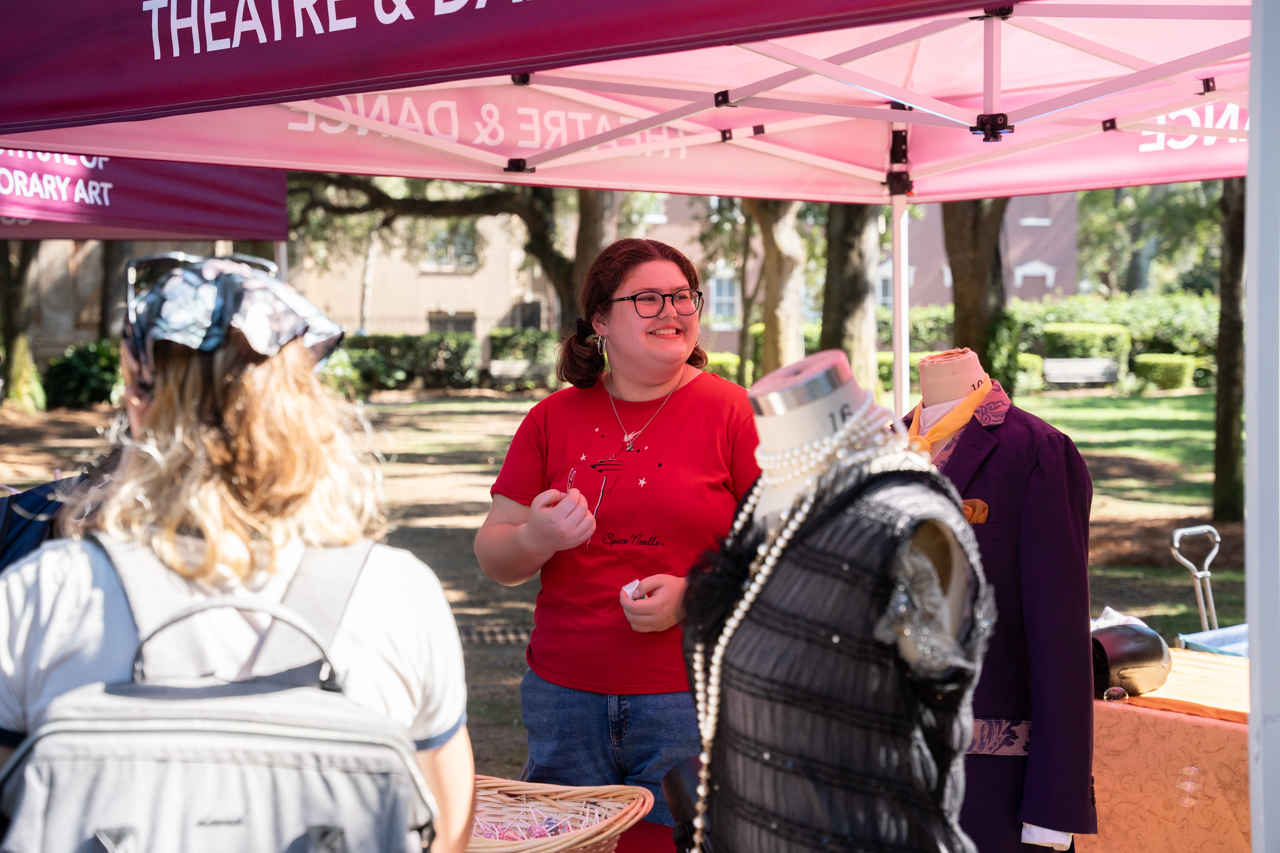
(235, 460)
(611, 490)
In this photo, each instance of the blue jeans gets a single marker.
(582, 738)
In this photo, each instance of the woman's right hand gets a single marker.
(559, 521)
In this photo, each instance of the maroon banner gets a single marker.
(90, 197)
(81, 62)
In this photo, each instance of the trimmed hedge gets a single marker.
(1088, 340)
(884, 366)
(1030, 376)
(723, 364)
(436, 359)
(1173, 323)
(812, 332)
(529, 344)
(83, 375)
(341, 375)
(1165, 370)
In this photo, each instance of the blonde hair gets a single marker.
(242, 451)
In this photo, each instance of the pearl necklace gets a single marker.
(777, 468)
(866, 430)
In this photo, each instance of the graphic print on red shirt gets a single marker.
(660, 501)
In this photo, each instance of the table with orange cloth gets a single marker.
(1199, 718)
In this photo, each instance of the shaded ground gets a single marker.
(1148, 457)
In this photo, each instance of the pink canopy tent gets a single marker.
(1079, 95)
(712, 96)
(1033, 98)
(50, 196)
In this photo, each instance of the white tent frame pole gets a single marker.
(1165, 13)
(614, 87)
(991, 65)
(1262, 438)
(870, 49)
(901, 306)
(423, 139)
(786, 105)
(774, 150)
(1115, 104)
(1185, 130)
(282, 260)
(705, 103)
(889, 91)
(1084, 45)
(1130, 81)
(1008, 150)
(705, 136)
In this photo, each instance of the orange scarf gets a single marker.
(951, 423)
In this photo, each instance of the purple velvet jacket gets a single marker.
(1035, 553)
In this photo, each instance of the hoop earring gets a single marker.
(600, 344)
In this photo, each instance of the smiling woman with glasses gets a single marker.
(650, 303)
(611, 490)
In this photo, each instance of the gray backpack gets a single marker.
(175, 761)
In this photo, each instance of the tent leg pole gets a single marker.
(901, 304)
(1262, 414)
(991, 65)
(282, 259)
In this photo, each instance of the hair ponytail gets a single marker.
(580, 361)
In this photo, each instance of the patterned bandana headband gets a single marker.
(198, 301)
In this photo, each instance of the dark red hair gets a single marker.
(580, 361)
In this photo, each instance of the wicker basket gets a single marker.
(504, 801)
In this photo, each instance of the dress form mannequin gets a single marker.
(809, 400)
(1034, 491)
(950, 375)
(791, 636)
(797, 404)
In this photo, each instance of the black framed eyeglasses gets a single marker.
(649, 303)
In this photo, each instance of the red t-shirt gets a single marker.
(658, 507)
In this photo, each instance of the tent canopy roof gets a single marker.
(1097, 95)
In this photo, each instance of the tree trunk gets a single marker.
(115, 263)
(597, 228)
(972, 233)
(1228, 445)
(849, 295)
(746, 344)
(782, 275)
(21, 383)
(539, 217)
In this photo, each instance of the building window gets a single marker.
(884, 296)
(1035, 274)
(452, 247)
(440, 321)
(724, 297)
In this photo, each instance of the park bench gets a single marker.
(1080, 371)
(509, 368)
(518, 369)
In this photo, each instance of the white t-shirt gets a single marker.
(65, 622)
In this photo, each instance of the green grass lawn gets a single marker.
(1172, 435)
(1165, 598)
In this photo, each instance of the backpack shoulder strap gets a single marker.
(153, 591)
(319, 593)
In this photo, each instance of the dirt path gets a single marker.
(443, 454)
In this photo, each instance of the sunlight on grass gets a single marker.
(1174, 433)
(1165, 598)
(1177, 430)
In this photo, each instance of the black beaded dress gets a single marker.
(845, 706)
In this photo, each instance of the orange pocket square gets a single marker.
(975, 511)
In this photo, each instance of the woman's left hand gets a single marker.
(662, 609)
